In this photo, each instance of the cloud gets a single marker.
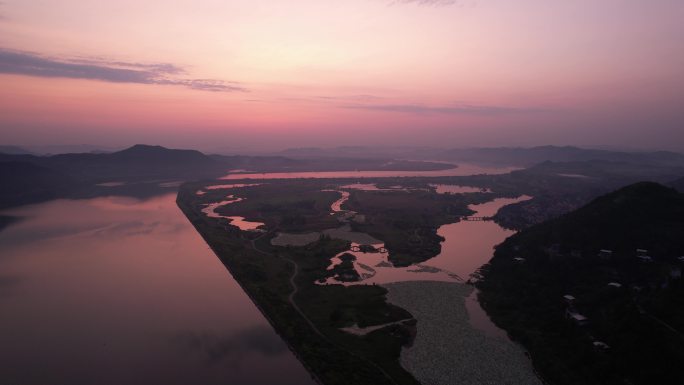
(29, 64)
(461, 109)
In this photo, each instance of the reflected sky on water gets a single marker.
(124, 291)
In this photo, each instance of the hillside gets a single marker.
(13, 150)
(633, 305)
(24, 182)
(678, 185)
(561, 187)
(137, 171)
(530, 156)
(139, 161)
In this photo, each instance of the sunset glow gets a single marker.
(226, 74)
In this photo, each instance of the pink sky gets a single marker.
(273, 74)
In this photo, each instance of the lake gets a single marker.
(124, 291)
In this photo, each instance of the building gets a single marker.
(577, 318)
(600, 345)
(605, 253)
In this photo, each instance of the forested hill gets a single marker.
(534, 155)
(678, 184)
(137, 171)
(644, 215)
(24, 182)
(633, 300)
(139, 161)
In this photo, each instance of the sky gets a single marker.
(257, 74)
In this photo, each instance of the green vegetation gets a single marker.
(310, 317)
(639, 316)
(288, 207)
(408, 221)
(24, 183)
(282, 281)
(345, 269)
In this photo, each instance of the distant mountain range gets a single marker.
(25, 182)
(678, 184)
(597, 295)
(510, 156)
(139, 161)
(28, 178)
(14, 150)
(127, 170)
(534, 155)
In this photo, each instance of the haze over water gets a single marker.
(199, 104)
(125, 291)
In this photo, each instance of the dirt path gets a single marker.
(291, 299)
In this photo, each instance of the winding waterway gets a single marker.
(124, 291)
(118, 290)
(456, 342)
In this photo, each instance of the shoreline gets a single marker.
(447, 348)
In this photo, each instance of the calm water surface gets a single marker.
(466, 247)
(469, 245)
(123, 291)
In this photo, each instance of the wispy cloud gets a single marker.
(30, 64)
(461, 109)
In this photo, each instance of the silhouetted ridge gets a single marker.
(637, 216)
(533, 155)
(142, 152)
(24, 182)
(137, 162)
(597, 295)
(678, 184)
(13, 150)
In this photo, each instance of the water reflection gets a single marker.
(232, 347)
(239, 222)
(98, 291)
(469, 245)
(479, 319)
